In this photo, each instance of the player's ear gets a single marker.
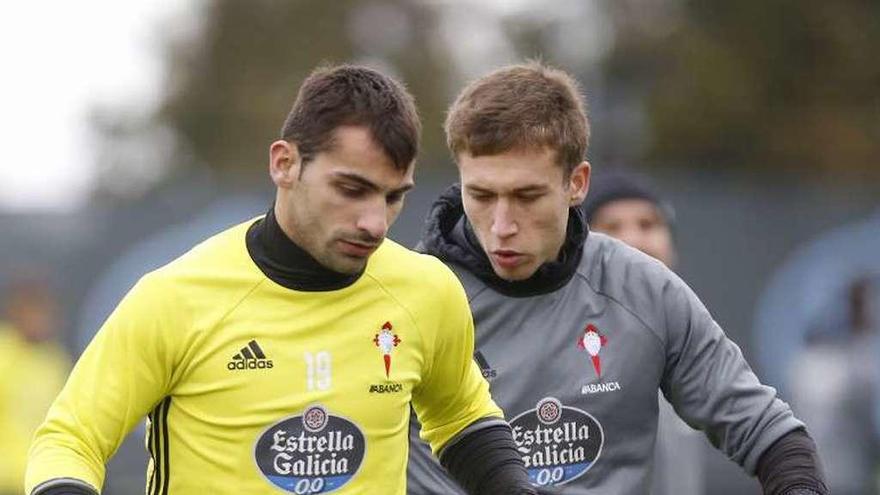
(284, 163)
(579, 183)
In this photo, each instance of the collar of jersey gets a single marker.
(450, 237)
(287, 264)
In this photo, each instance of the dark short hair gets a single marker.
(519, 107)
(349, 95)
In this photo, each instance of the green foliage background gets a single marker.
(786, 87)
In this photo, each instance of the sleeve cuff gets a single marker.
(64, 486)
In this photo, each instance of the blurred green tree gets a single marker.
(772, 85)
(232, 81)
(758, 84)
(235, 83)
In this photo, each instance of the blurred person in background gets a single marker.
(819, 321)
(33, 368)
(622, 205)
(834, 384)
(284, 353)
(576, 331)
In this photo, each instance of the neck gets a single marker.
(281, 218)
(279, 257)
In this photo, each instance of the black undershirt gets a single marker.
(66, 490)
(487, 462)
(289, 265)
(64, 486)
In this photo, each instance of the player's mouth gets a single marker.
(507, 258)
(357, 249)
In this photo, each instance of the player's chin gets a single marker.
(514, 273)
(348, 264)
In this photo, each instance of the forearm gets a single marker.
(60, 452)
(486, 462)
(791, 466)
(123, 373)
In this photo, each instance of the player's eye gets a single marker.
(529, 197)
(395, 198)
(350, 190)
(647, 224)
(481, 197)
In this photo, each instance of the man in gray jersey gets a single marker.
(577, 331)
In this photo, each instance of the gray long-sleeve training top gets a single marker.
(575, 356)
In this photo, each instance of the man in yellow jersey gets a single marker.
(33, 367)
(283, 354)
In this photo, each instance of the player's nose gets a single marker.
(374, 221)
(503, 221)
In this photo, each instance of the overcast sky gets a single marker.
(60, 58)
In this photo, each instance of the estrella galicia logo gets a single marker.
(316, 452)
(558, 443)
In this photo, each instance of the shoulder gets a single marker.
(213, 274)
(225, 250)
(612, 267)
(421, 283)
(642, 285)
(223, 255)
(397, 266)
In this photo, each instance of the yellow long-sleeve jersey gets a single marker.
(252, 387)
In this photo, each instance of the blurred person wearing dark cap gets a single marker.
(624, 206)
(819, 321)
(33, 367)
(834, 382)
(577, 331)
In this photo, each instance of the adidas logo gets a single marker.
(488, 371)
(251, 357)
